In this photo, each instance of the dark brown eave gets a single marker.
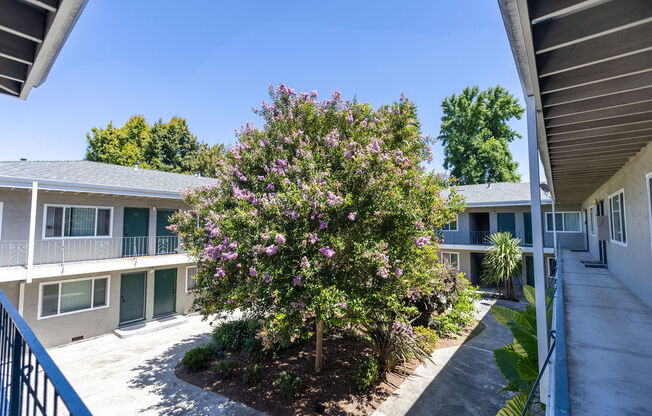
(590, 72)
(32, 33)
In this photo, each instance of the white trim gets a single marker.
(457, 224)
(1, 206)
(623, 217)
(449, 257)
(187, 269)
(525, 202)
(648, 183)
(63, 222)
(59, 282)
(562, 213)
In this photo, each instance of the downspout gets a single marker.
(32, 232)
(537, 243)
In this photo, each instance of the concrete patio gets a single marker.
(135, 375)
(608, 338)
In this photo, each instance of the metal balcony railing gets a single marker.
(480, 238)
(68, 250)
(30, 382)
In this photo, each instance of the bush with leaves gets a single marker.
(289, 383)
(325, 215)
(199, 357)
(232, 335)
(427, 338)
(254, 350)
(462, 314)
(450, 283)
(226, 368)
(252, 374)
(365, 373)
(518, 361)
(393, 343)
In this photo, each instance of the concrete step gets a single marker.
(149, 326)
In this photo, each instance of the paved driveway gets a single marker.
(135, 375)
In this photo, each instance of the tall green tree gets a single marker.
(475, 135)
(169, 147)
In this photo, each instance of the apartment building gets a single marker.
(506, 207)
(85, 249)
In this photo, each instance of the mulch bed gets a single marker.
(331, 392)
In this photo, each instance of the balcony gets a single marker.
(30, 382)
(74, 250)
(480, 238)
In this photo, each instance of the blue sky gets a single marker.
(212, 62)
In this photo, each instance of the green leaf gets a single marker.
(514, 407)
(504, 315)
(528, 369)
(529, 293)
(528, 319)
(507, 362)
(525, 339)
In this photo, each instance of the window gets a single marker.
(592, 220)
(566, 222)
(71, 296)
(451, 226)
(617, 217)
(552, 266)
(648, 185)
(62, 221)
(451, 259)
(191, 272)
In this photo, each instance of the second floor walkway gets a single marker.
(480, 238)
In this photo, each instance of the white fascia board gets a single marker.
(26, 183)
(505, 203)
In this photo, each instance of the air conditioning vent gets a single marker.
(77, 338)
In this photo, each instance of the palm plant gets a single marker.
(503, 262)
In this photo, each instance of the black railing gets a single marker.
(481, 238)
(30, 382)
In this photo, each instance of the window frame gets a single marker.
(187, 270)
(63, 221)
(563, 213)
(623, 218)
(648, 184)
(59, 283)
(457, 227)
(457, 266)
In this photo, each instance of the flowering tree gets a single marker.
(326, 214)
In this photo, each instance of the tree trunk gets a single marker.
(506, 290)
(320, 345)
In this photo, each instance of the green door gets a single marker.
(529, 270)
(132, 297)
(507, 223)
(166, 241)
(527, 221)
(165, 291)
(135, 230)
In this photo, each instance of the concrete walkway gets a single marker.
(463, 380)
(608, 342)
(135, 375)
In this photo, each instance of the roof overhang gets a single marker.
(505, 203)
(588, 66)
(49, 185)
(32, 33)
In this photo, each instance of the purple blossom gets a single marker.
(374, 146)
(382, 272)
(333, 199)
(352, 216)
(326, 251)
(252, 272)
(305, 263)
(322, 224)
(214, 232)
(270, 187)
(422, 241)
(229, 255)
(297, 280)
(267, 278)
(271, 250)
(279, 239)
(398, 272)
(219, 272)
(313, 238)
(233, 245)
(239, 265)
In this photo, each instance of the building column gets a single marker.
(537, 243)
(21, 298)
(32, 232)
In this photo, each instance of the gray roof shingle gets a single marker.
(94, 175)
(502, 193)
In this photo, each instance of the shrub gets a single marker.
(252, 374)
(232, 335)
(289, 383)
(462, 314)
(199, 357)
(365, 373)
(394, 342)
(450, 283)
(427, 338)
(254, 351)
(226, 368)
